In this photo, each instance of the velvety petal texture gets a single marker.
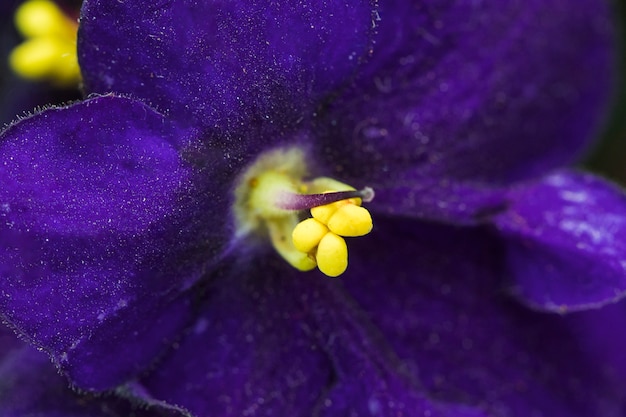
(425, 319)
(224, 65)
(30, 386)
(600, 336)
(566, 242)
(436, 295)
(460, 97)
(98, 235)
(273, 342)
(117, 248)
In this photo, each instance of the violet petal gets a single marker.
(271, 341)
(566, 242)
(31, 386)
(462, 97)
(600, 332)
(224, 65)
(99, 235)
(435, 294)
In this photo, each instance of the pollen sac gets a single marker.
(332, 255)
(350, 220)
(321, 235)
(270, 197)
(308, 234)
(323, 213)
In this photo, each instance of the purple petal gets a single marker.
(224, 65)
(31, 386)
(276, 342)
(435, 295)
(462, 97)
(566, 242)
(601, 335)
(100, 231)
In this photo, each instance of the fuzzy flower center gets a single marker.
(272, 197)
(49, 49)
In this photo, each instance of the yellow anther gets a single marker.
(49, 51)
(342, 218)
(332, 255)
(307, 234)
(45, 58)
(270, 197)
(41, 18)
(324, 213)
(350, 220)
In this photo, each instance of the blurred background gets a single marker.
(609, 156)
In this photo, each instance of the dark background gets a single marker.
(609, 156)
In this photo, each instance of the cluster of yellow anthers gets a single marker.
(321, 235)
(271, 196)
(49, 51)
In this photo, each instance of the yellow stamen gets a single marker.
(331, 221)
(273, 182)
(280, 230)
(307, 234)
(332, 255)
(350, 220)
(49, 51)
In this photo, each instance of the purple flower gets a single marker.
(126, 258)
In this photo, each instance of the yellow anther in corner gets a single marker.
(40, 18)
(49, 51)
(332, 255)
(350, 220)
(307, 234)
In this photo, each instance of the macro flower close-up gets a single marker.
(317, 208)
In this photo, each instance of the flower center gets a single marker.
(271, 196)
(49, 51)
